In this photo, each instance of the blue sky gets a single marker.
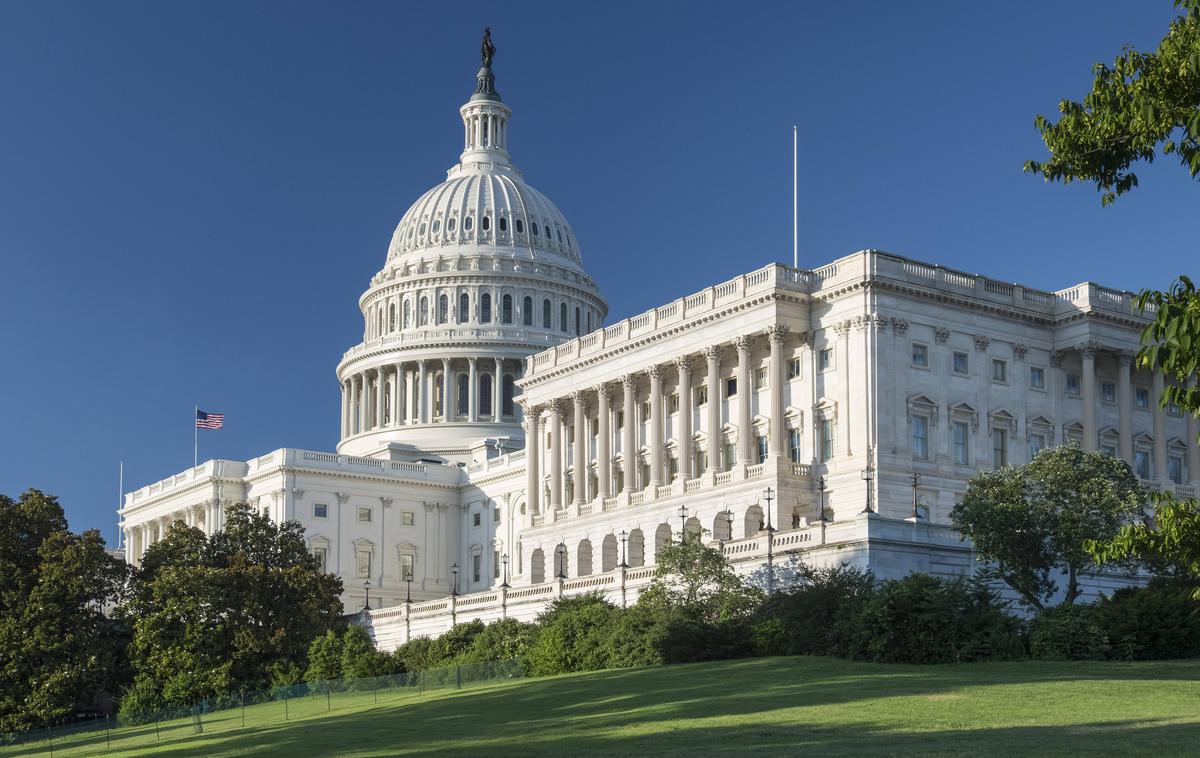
(193, 196)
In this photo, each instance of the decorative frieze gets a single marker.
(982, 342)
(942, 334)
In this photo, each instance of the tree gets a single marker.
(1169, 544)
(59, 653)
(1171, 341)
(235, 610)
(1143, 101)
(1034, 519)
(696, 579)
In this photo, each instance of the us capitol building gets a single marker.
(500, 446)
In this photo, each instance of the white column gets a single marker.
(473, 389)
(1193, 446)
(358, 409)
(380, 396)
(712, 355)
(579, 461)
(1125, 406)
(629, 432)
(1160, 428)
(683, 365)
(345, 406)
(400, 412)
(423, 414)
(778, 439)
(556, 455)
(655, 445)
(603, 454)
(447, 392)
(1088, 352)
(745, 389)
(498, 384)
(533, 449)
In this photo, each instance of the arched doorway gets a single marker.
(753, 522)
(537, 567)
(608, 553)
(662, 538)
(637, 549)
(692, 527)
(584, 560)
(722, 529)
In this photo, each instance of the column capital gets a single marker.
(655, 373)
(472, 359)
(1056, 358)
(1089, 349)
(712, 353)
(601, 391)
(629, 381)
(1019, 351)
(342, 497)
(805, 338)
(445, 363)
(742, 343)
(1125, 358)
(899, 325)
(683, 364)
(555, 407)
(982, 341)
(842, 328)
(578, 399)
(941, 334)
(776, 332)
(387, 501)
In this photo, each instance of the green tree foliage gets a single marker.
(1068, 633)
(1143, 103)
(59, 653)
(1171, 341)
(1158, 622)
(503, 640)
(573, 635)
(324, 658)
(695, 579)
(817, 615)
(1035, 520)
(237, 610)
(1169, 543)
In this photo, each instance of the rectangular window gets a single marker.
(1141, 397)
(673, 402)
(920, 355)
(364, 564)
(701, 396)
(1073, 384)
(1175, 469)
(793, 368)
(495, 515)
(406, 518)
(999, 370)
(495, 563)
(1037, 377)
(794, 445)
(731, 387)
(1172, 408)
(320, 510)
(763, 448)
(1108, 392)
(962, 363)
(730, 455)
(476, 567)
(825, 359)
(407, 563)
(474, 519)
(999, 448)
(1037, 443)
(646, 411)
(322, 556)
(1109, 450)
(672, 467)
(620, 421)
(920, 437)
(826, 439)
(364, 515)
(1141, 463)
(961, 432)
(760, 378)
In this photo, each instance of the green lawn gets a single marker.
(778, 706)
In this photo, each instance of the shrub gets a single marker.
(637, 635)
(500, 641)
(417, 654)
(573, 633)
(818, 615)
(449, 647)
(1158, 622)
(1068, 633)
(690, 639)
(360, 659)
(324, 658)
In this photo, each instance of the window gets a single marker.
(364, 515)
(920, 355)
(1172, 408)
(961, 364)
(826, 439)
(322, 556)
(364, 563)
(475, 519)
(730, 455)
(645, 411)
(546, 314)
(392, 317)
(794, 445)
(503, 224)
(451, 224)
(763, 448)
(507, 389)
(476, 565)
(520, 226)
(485, 394)
(1175, 469)
(527, 311)
(920, 437)
(495, 563)
(1108, 392)
(320, 510)
(407, 314)
(464, 387)
(1037, 377)
(464, 308)
(673, 402)
(999, 370)
(999, 448)
(961, 437)
(1072, 384)
(406, 518)
(506, 309)
(562, 317)
(701, 396)
(495, 515)
(546, 229)
(534, 228)
(1037, 443)
(620, 422)
(485, 223)
(1141, 463)
(443, 314)
(406, 567)
(825, 359)
(423, 312)
(1141, 397)
(760, 378)
(577, 321)
(1109, 450)
(731, 387)
(485, 308)
(793, 368)
(468, 223)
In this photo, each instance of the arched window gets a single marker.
(464, 387)
(485, 223)
(464, 308)
(468, 222)
(527, 311)
(485, 308)
(421, 230)
(577, 321)
(437, 226)
(506, 309)
(506, 394)
(520, 227)
(443, 314)
(392, 317)
(562, 318)
(547, 228)
(407, 314)
(503, 224)
(534, 228)
(485, 394)
(450, 224)
(546, 313)
(423, 312)
(559, 232)
(589, 321)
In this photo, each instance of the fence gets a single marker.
(248, 710)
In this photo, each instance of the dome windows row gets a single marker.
(426, 309)
(427, 232)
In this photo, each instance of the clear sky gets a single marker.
(194, 195)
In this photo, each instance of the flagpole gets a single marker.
(195, 437)
(120, 504)
(795, 206)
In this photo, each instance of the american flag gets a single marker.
(206, 420)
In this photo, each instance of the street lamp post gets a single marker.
(821, 497)
(624, 537)
(682, 524)
(367, 592)
(454, 587)
(504, 560)
(769, 495)
(727, 515)
(868, 474)
(561, 552)
(916, 482)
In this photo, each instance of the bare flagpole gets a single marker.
(120, 504)
(195, 438)
(795, 205)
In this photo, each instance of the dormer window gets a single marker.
(533, 228)
(503, 224)
(421, 230)
(485, 223)
(467, 223)
(450, 224)
(437, 226)
(520, 227)
(547, 229)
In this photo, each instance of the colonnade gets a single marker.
(412, 392)
(595, 405)
(208, 516)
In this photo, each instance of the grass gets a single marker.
(772, 706)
